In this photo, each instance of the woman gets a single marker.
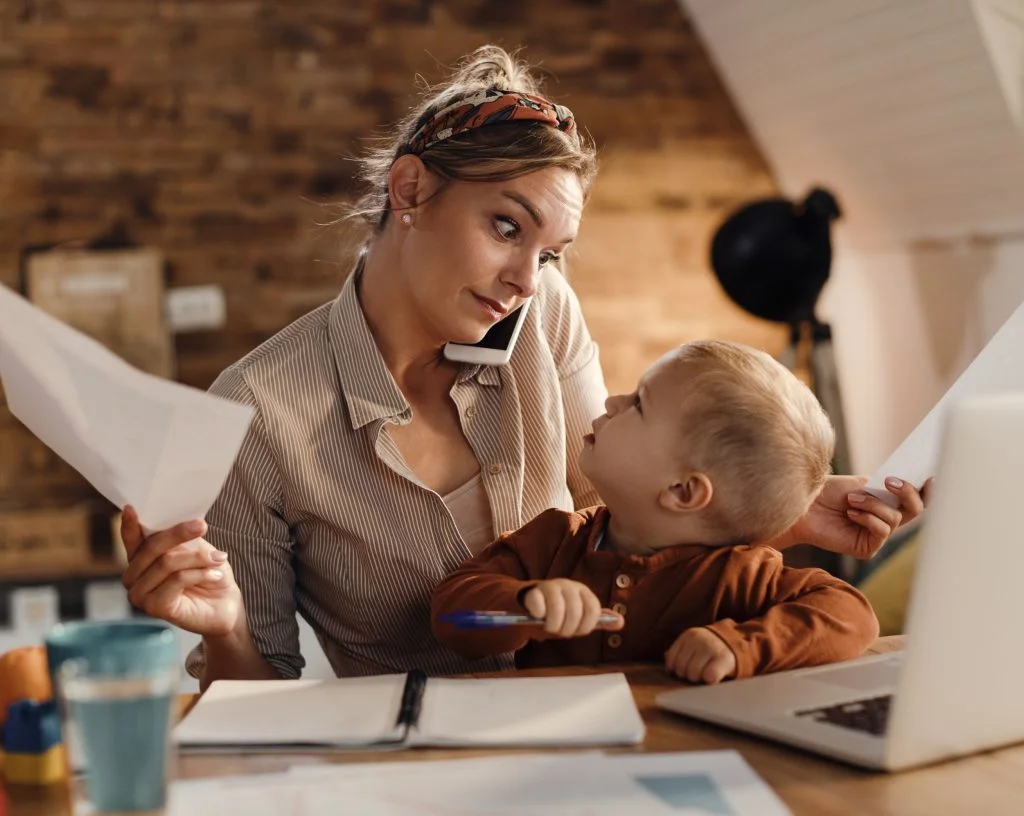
(374, 466)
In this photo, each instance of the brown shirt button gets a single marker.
(614, 641)
(619, 609)
(495, 469)
(622, 581)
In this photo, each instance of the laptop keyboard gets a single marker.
(870, 715)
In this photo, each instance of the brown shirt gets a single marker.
(772, 617)
(320, 516)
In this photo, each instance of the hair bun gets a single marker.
(491, 66)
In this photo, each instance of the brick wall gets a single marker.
(219, 131)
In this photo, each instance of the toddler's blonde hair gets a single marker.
(759, 434)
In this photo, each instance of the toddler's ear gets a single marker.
(689, 495)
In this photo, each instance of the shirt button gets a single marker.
(495, 469)
(622, 581)
(614, 641)
(471, 412)
(619, 609)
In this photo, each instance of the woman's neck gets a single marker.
(410, 354)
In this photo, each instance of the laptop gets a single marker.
(956, 688)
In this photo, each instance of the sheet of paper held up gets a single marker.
(160, 446)
(698, 783)
(999, 367)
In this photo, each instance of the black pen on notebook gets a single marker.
(412, 699)
(489, 620)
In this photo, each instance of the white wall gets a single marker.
(905, 325)
(896, 105)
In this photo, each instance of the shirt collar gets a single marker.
(368, 387)
(597, 532)
(599, 547)
(483, 374)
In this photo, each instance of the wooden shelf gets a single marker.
(56, 573)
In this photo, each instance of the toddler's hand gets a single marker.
(700, 656)
(568, 608)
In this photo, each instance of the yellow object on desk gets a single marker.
(35, 769)
(33, 749)
(888, 588)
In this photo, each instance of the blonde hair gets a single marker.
(760, 435)
(496, 152)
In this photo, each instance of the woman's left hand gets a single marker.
(847, 520)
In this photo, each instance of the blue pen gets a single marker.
(488, 620)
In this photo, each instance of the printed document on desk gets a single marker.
(699, 783)
(998, 368)
(160, 446)
(366, 712)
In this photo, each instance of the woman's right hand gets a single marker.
(178, 576)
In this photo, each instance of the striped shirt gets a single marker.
(321, 517)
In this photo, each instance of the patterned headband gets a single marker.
(490, 107)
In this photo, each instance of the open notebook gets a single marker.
(406, 710)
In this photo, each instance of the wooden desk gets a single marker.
(990, 784)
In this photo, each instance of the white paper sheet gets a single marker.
(999, 367)
(160, 446)
(704, 783)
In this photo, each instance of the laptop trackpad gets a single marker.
(865, 677)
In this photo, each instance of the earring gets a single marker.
(407, 219)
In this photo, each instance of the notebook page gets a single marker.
(596, 709)
(350, 711)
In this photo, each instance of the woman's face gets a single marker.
(475, 251)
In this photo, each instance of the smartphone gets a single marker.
(496, 347)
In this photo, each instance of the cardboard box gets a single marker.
(28, 469)
(50, 539)
(114, 296)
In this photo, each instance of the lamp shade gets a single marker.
(773, 256)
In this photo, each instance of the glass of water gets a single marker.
(121, 715)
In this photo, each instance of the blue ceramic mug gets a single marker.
(129, 646)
